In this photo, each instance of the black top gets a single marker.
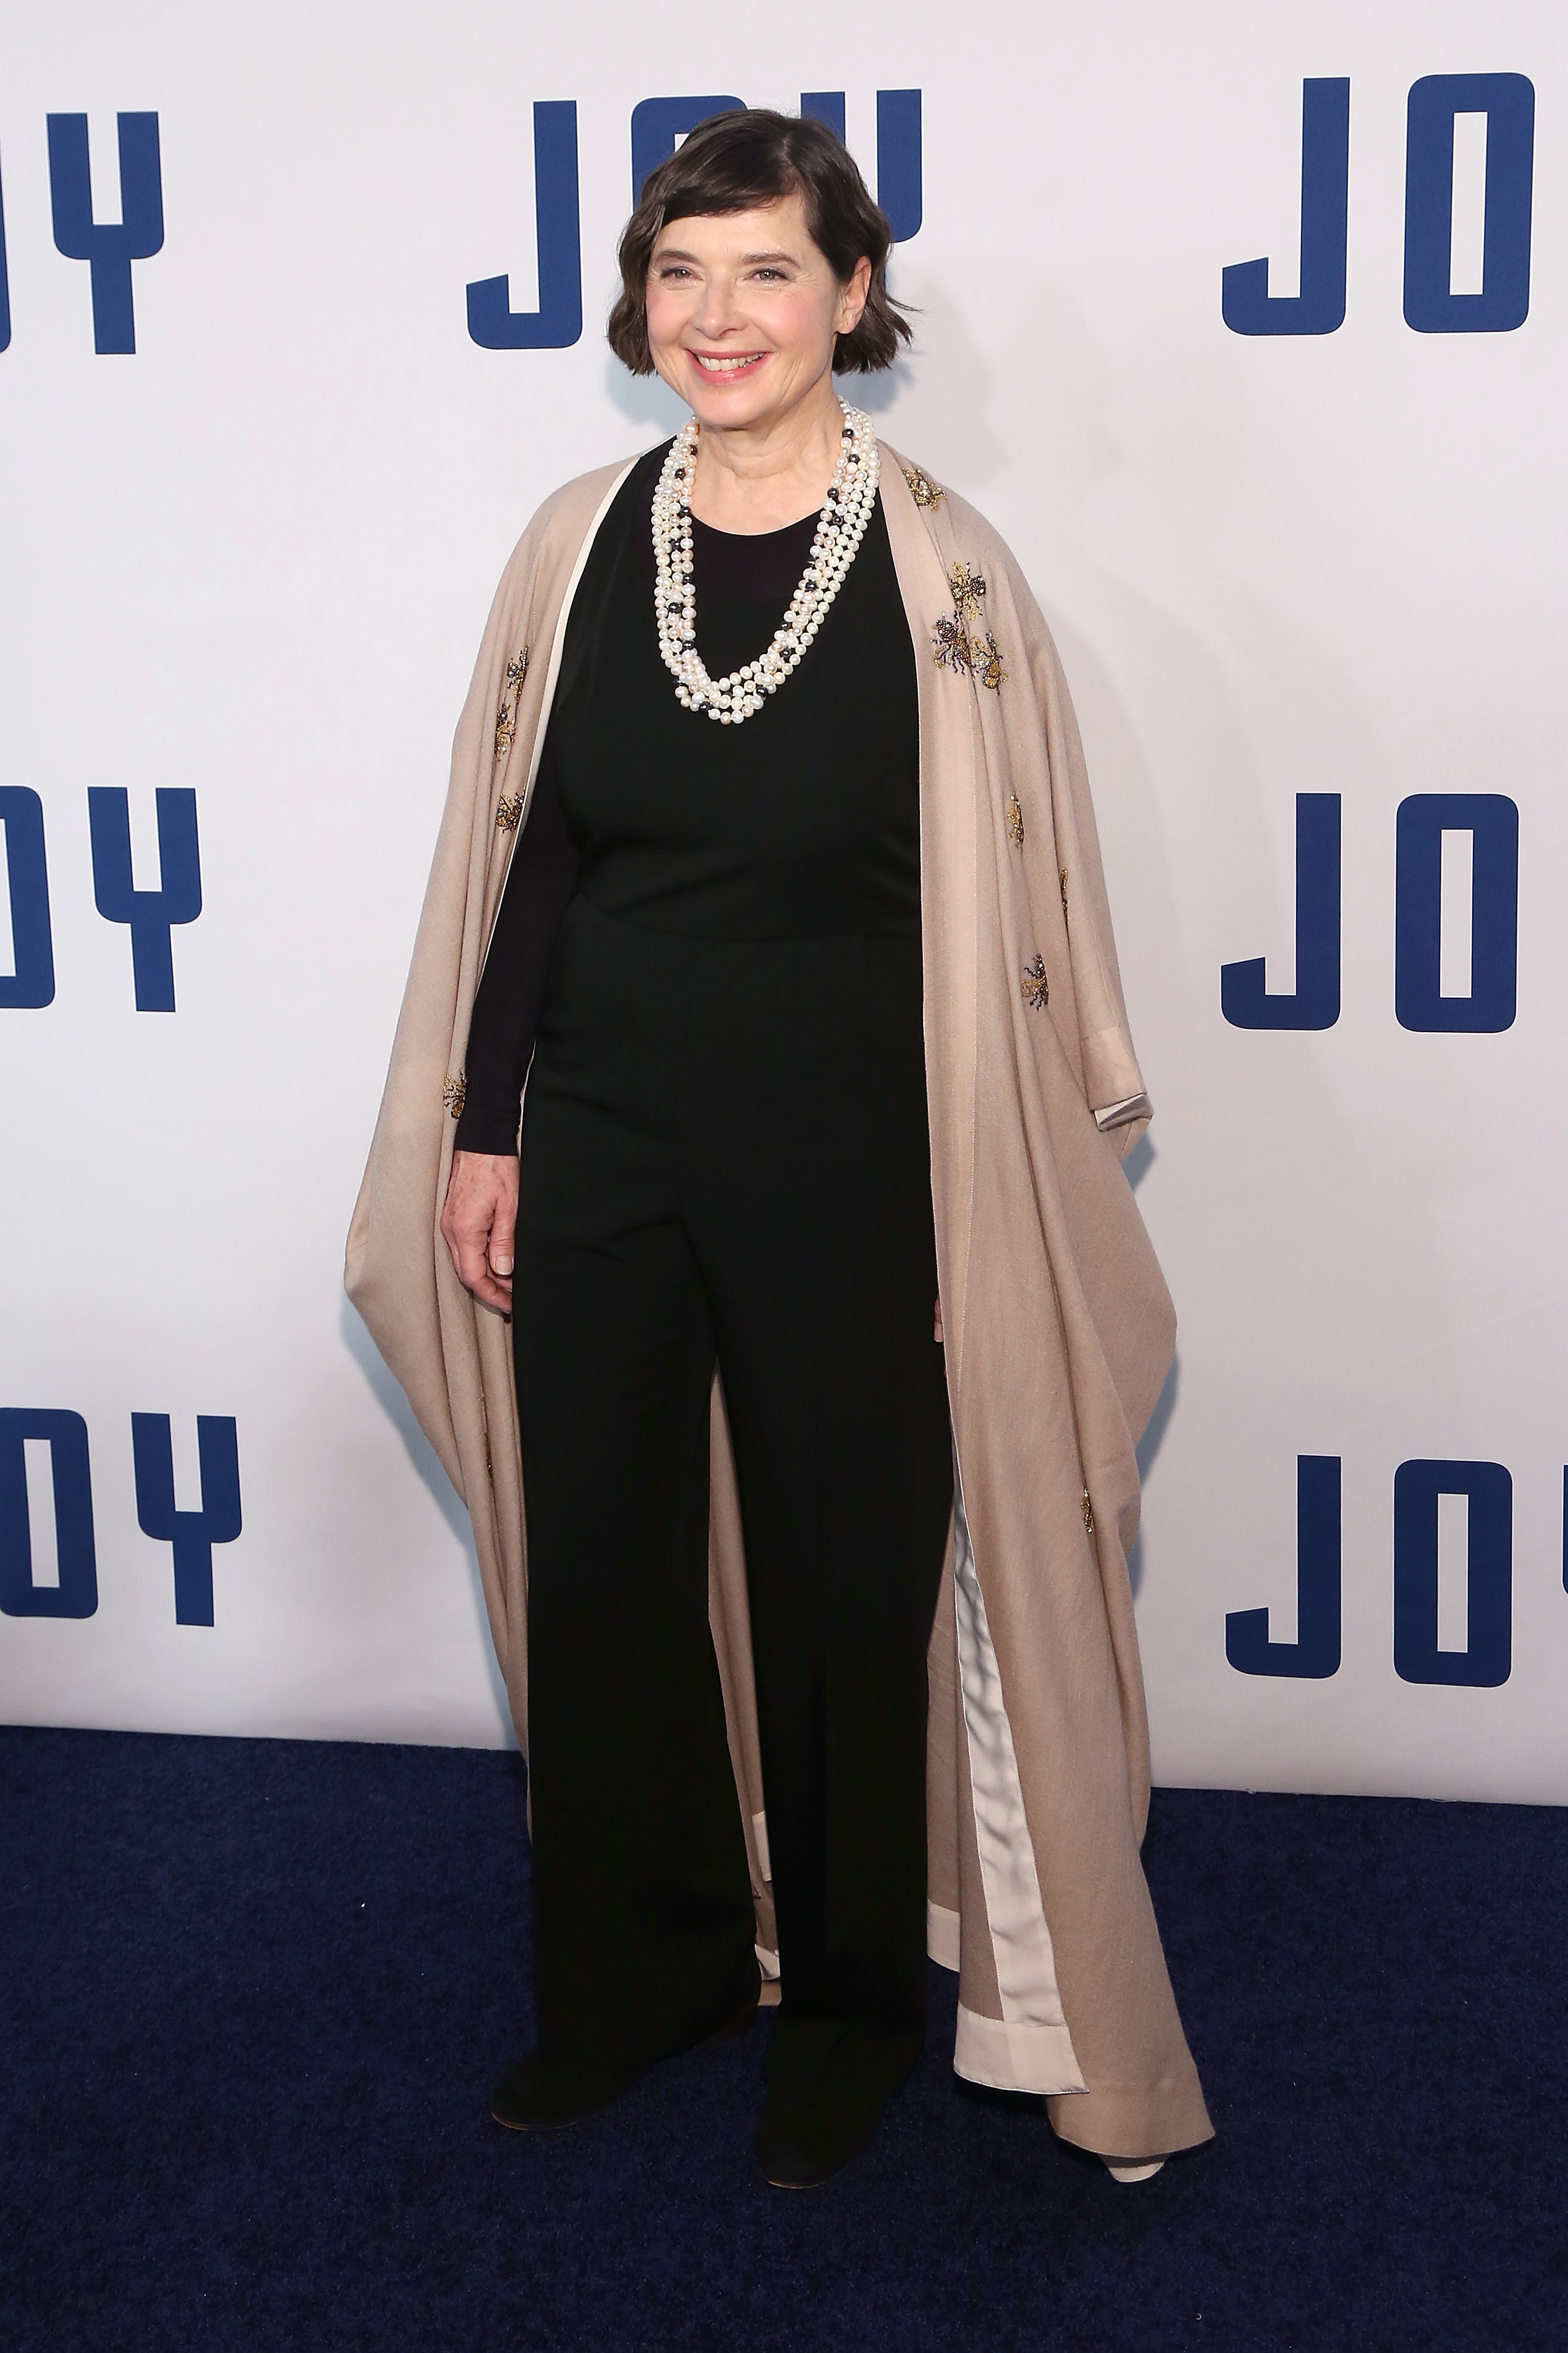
(802, 822)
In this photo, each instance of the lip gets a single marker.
(749, 363)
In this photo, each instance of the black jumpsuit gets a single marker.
(709, 943)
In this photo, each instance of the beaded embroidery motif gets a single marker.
(950, 642)
(922, 490)
(986, 656)
(1037, 988)
(1015, 821)
(957, 640)
(968, 588)
(506, 716)
(1088, 1513)
(455, 1094)
(509, 808)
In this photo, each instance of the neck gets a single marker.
(757, 478)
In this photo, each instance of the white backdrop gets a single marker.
(252, 560)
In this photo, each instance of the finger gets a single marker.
(485, 1287)
(469, 1255)
(487, 1282)
(503, 1223)
(475, 1274)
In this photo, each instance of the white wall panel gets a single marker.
(253, 559)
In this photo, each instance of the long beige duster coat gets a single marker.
(1058, 1326)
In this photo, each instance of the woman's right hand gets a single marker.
(479, 1222)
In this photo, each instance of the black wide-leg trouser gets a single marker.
(725, 1160)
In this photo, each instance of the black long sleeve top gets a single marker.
(803, 821)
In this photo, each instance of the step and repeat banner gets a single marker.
(1249, 329)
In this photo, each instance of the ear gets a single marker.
(852, 298)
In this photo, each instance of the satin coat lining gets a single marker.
(1030, 2048)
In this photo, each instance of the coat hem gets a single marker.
(1015, 2057)
(1136, 2124)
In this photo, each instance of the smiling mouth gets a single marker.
(727, 363)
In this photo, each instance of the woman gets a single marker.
(769, 863)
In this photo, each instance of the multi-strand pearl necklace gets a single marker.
(840, 528)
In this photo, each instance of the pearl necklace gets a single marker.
(840, 528)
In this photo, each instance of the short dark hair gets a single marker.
(752, 156)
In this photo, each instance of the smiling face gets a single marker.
(743, 311)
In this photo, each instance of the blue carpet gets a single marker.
(253, 1994)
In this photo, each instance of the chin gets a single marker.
(720, 413)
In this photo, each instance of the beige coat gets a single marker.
(1058, 1326)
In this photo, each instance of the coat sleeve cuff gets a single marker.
(1124, 1113)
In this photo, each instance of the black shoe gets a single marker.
(802, 2143)
(542, 2095)
(827, 2084)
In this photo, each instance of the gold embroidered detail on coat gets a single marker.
(1037, 988)
(950, 641)
(455, 1094)
(1015, 821)
(509, 808)
(986, 656)
(1064, 889)
(968, 588)
(922, 490)
(958, 640)
(506, 716)
(1088, 1513)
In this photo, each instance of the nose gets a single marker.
(716, 313)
